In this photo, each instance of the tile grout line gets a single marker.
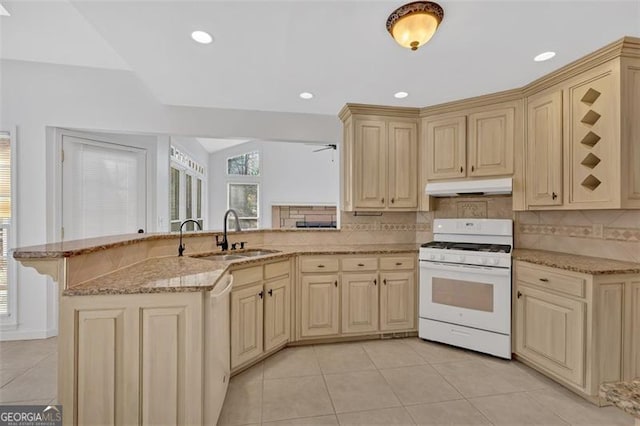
(326, 386)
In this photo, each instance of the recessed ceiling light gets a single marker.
(545, 56)
(3, 11)
(401, 95)
(202, 37)
(306, 95)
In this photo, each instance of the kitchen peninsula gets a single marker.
(125, 298)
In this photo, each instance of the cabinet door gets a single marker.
(403, 165)
(445, 140)
(319, 305)
(397, 301)
(370, 156)
(490, 142)
(359, 303)
(246, 324)
(544, 150)
(550, 332)
(277, 313)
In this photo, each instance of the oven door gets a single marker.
(469, 295)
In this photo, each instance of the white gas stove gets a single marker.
(465, 285)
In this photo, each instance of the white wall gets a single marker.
(36, 96)
(291, 174)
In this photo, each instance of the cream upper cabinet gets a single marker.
(445, 147)
(397, 300)
(277, 312)
(319, 305)
(246, 324)
(403, 165)
(370, 160)
(490, 142)
(359, 302)
(470, 143)
(379, 158)
(544, 149)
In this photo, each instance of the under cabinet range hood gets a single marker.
(469, 187)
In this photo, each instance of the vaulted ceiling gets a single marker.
(266, 52)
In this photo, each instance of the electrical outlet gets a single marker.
(597, 230)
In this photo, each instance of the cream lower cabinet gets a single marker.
(319, 305)
(360, 295)
(132, 359)
(260, 311)
(397, 300)
(359, 302)
(246, 324)
(577, 328)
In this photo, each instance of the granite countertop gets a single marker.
(624, 395)
(576, 263)
(192, 273)
(77, 247)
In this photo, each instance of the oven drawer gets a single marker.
(395, 263)
(552, 279)
(360, 264)
(318, 264)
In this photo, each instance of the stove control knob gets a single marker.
(484, 260)
(442, 256)
(432, 256)
(495, 261)
(461, 258)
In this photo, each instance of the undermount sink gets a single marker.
(236, 256)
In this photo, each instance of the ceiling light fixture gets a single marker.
(202, 37)
(401, 95)
(545, 56)
(3, 11)
(413, 24)
(306, 95)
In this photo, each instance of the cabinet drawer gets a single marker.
(551, 279)
(247, 275)
(277, 269)
(360, 264)
(393, 263)
(318, 264)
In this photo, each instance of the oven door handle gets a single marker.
(460, 267)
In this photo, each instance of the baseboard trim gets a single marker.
(18, 334)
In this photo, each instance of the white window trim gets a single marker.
(246, 179)
(9, 321)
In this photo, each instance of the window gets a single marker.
(186, 191)
(5, 221)
(244, 165)
(243, 198)
(243, 189)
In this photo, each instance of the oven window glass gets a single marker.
(463, 294)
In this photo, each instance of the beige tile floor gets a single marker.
(390, 382)
(402, 382)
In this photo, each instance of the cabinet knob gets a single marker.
(519, 295)
(270, 292)
(393, 200)
(320, 266)
(554, 195)
(384, 281)
(544, 280)
(261, 294)
(375, 281)
(461, 169)
(335, 283)
(473, 168)
(382, 200)
(398, 263)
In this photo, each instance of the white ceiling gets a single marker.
(266, 52)
(216, 144)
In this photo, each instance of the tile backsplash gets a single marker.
(613, 234)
